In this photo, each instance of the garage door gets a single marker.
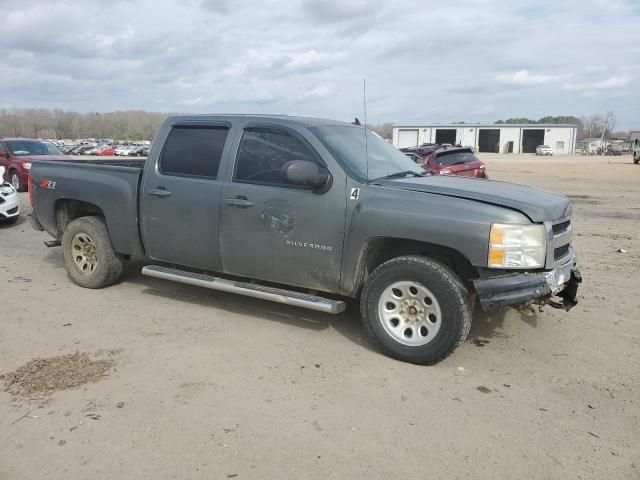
(407, 138)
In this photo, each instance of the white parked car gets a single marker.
(9, 205)
(544, 150)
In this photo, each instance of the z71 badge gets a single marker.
(48, 184)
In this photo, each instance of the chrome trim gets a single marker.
(278, 295)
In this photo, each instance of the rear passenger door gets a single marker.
(180, 196)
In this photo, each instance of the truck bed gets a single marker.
(110, 185)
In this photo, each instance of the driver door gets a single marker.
(274, 231)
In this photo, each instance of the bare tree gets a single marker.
(42, 123)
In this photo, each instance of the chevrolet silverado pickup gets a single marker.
(311, 213)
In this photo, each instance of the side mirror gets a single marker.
(4, 154)
(307, 174)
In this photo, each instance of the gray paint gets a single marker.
(286, 235)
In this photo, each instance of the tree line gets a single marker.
(44, 123)
(588, 126)
(142, 125)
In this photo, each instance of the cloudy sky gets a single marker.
(424, 61)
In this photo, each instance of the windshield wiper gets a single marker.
(402, 174)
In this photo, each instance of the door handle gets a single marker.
(240, 201)
(159, 192)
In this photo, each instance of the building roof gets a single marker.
(485, 125)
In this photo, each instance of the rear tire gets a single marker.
(88, 254)
(415, 309)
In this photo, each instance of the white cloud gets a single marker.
(311, 60)
(319, 92)
(610, 83)
(525, 79)
(613, 82)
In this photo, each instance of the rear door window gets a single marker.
(193, 151)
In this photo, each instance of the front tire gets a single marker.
(415, 309)
(14, 179)
(88, 254)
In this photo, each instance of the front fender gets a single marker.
(453, 223)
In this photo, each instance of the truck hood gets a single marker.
(536, 204)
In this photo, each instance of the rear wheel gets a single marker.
(88, 254)
(415, 309)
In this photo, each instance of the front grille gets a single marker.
(561, 227)
(559, 246)
(560, 252)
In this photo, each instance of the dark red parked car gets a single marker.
(455, 161)
(16, 155)
(447, 160)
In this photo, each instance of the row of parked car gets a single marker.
(108, 150)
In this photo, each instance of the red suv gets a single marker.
(448, 160)
(16, 155)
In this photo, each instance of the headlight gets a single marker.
(27, 166)
(6, 190)
(517, 246)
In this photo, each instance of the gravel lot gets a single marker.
(211, 385)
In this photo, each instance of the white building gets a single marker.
(497, 138)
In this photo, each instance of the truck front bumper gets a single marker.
(519, 289)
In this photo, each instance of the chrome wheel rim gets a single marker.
(83, 251)
(15, 181)
(409, 313)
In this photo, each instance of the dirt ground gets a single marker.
(208, 385)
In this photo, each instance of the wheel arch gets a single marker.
(66, 210)
(377, 250)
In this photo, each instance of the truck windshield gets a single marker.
(28, 147)
(348, 146)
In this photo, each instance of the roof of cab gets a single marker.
(283, 119)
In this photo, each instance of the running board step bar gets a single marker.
(278, 295)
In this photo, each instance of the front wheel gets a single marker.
(14, 178)
(415, 309)
(88, 254)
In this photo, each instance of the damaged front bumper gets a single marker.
(522, 289)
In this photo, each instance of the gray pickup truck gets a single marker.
(310, 213)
